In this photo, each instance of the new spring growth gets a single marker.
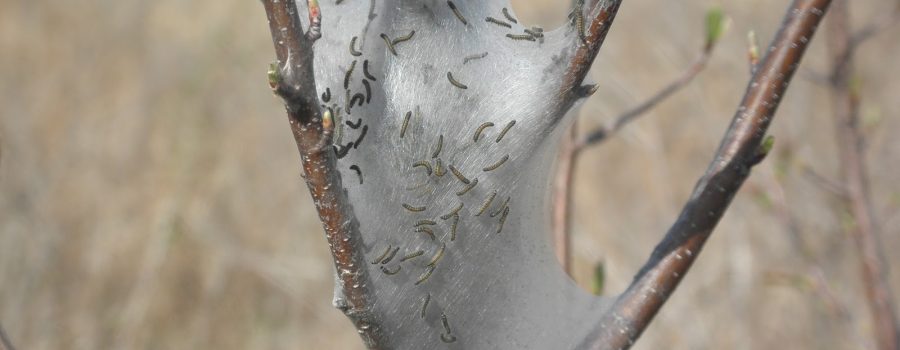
(716, 26)
(763, 150)
(752, 49)
(274, 77)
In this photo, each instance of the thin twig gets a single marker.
(570, 149)
(292, 79)
(739, 152)
(572, 90)
(5, 343)
(865, 230)
(602, 133)
(831, 186)
(562, 199)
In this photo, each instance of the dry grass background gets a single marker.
(150, 195)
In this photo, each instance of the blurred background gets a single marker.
(150, 193)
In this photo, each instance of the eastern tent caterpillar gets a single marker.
(382, 256)
(458, 174)
(535, 32)
(425, 302)
(445, 323)
(505, 130)
(438, 147)
(412, 255)
(508, 16)
(362, 135)
(403, 38)
(453, 227)
(406, 124)
(457, 13)
(452, 212)
(389, 272)
(497, 164)
(487, 203)
(520, 37)
(414, 209)
(368, 90)
(474, 57)
(424, 222)
(501, 208)
(353, 47)
(439, 168)
(579, 20)
(437, 256)
(358, 97)
(349, 74)
(390, 256)
(428, 271)
(341, 151)
(480, 129)
(426, 230)
(390, 46)
(498, 22)
(355, 168)
(448, 338)
(423, 164)
(468, 188)
(503, 219)
(455, 82)
(366, 71)
(354, 126)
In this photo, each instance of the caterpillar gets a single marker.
(505, 130)
(406, 124)
(458, 174)
(468, 188)
(349, 74)
(457, 13)
(455, 82)
(487, 203)
(498, 22)
(481, 129)
(508, 16)
(355, 168)
(366, 71)
(497, 164)
(353, 47)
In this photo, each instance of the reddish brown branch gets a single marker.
(865, 230)
(739, 152)
(293, 80)
(562, 199)
(601, 14)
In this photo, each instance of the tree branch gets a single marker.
(740, 150)
(601, 14)
(292, 79)
(850, 140)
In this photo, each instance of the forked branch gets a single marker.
(292, 79)
(741, 149)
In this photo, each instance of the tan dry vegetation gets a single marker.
(150, 194)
